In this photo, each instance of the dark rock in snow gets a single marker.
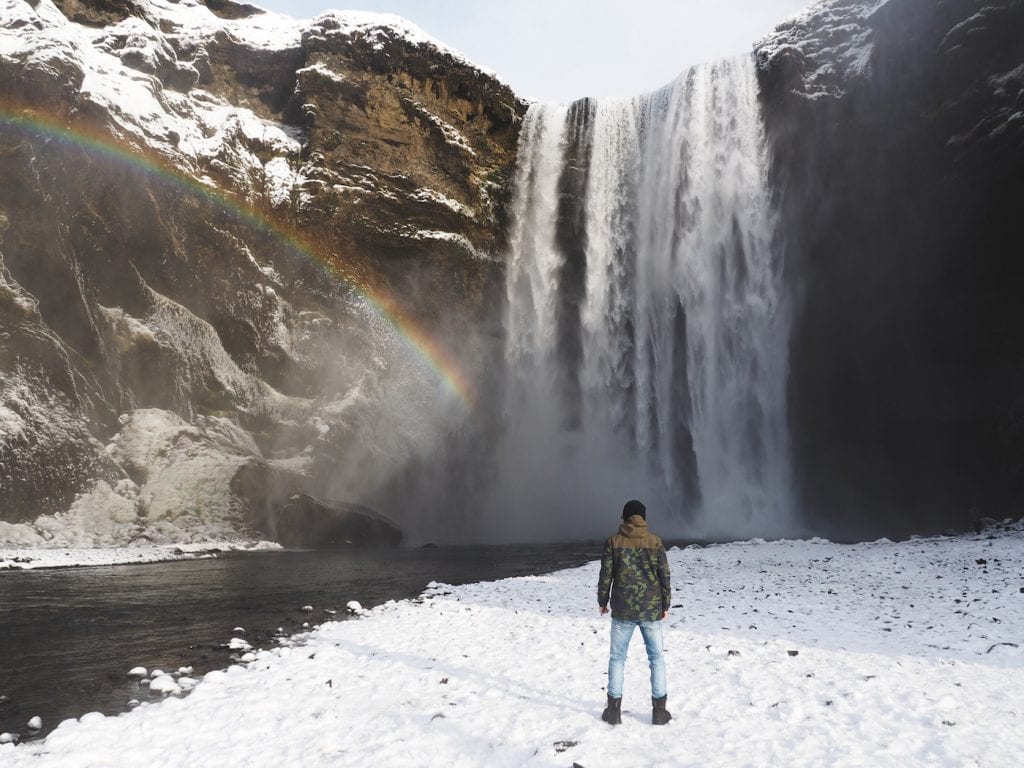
(99, 13)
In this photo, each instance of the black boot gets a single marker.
(660, 715)
(613, 712)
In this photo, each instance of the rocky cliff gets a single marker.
(232, 247)
(898, 139)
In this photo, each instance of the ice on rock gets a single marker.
(7, 738)
(138, 672)
(353, 607)
(238, 644)
(165, 684)
(214, 676)
(238, 630)
(187, 683)
(157, 673)
(133, 703)
(307, 609)
(36, 723)
(247, 657)
(185, 671)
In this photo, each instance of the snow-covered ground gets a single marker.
(779, 654)
(39, 557)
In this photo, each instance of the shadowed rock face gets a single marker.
(306, 522)
(901, 177)
(99, 13)
(142, 316)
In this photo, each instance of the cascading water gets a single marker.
(647, 327)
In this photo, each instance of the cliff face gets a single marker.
(220, 228)
(898, 139)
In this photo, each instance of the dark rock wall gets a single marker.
(901, 192)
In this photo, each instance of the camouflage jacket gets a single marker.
(634, 569)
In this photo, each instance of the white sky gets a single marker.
(560, 50)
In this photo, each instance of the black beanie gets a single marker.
(634, 507)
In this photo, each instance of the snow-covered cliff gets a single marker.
(232, 242)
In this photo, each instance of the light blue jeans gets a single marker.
(622, 633)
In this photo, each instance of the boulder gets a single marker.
(305, 522)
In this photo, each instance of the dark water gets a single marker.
(69, 636)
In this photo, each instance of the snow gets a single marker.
(834, 37)
(164, 684)
(322, 70)
(183, 495)
(138, 672)
(194, 130)
(427, 195)
(441, 235)
(280, 181)
(12, 425)
(29, 558)
(35, 723)
(121, 67)
(889, 670)
(383, 27)
(452, 136)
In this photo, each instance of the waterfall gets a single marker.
(647, 327)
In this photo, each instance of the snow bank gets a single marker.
(787, 653)
(28, 558)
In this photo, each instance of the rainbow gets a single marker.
(415, 337)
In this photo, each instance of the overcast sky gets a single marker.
(560, 50)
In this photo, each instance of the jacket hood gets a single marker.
(634, 527)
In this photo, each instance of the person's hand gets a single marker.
(604, 609)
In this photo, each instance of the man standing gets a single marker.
(634, 570)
